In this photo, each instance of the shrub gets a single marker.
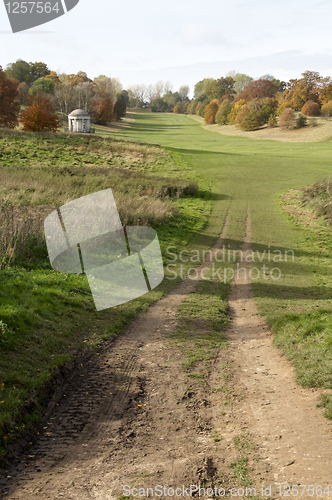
(287, 119)
(272, 123)
(282, 107)
(103, 110)
(40, 116)
(202, 109)
(192, 108)
(327, 110)
(237, 106)
(210, 112)
(198, 107)
(265, 107)
(9, 104)
(119, 109)
(223, 112)
(310, 108)
(301, 121)
(248, 118)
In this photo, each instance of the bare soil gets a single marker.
(132, 418)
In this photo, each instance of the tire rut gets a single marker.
(89, 421)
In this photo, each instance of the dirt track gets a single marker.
(129, 418)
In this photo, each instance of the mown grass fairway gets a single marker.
(250, 173)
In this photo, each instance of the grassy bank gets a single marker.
(47, 319)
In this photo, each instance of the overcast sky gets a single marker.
(182, 41)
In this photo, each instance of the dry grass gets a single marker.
(322, 131)
(21, 229)
(40, 172)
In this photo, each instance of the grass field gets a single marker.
(48, 317)
(253, 173)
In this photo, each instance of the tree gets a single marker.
(257, 90)
(282, 107)
(248, 118)
(137, 95)
(183, 92)
(177, 109)
(124, 96)
(64, 97)
(38, 70)
(241, 80)
(23, 71)
(53, 75)
(23, 95)
(9, 104)
(223, 112)
(299, 91)
(192, 107)
(20, 71)
(210, 112)
(40, 116)
(42, 86)
(287, 119)
(220, 88)
(301, 121)
(107, 87)
(272, 123)
(327, 110)
(103, 110)
(264, 107)
(158, 104)
(310, 108)
(236, 108)
(202, 86)
(119, 108)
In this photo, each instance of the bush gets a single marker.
(119, 109)
(40, 116)
(158, 104)
(327, 110)
(236, 108)
(248, 118)
(192, 108)
(265, 107)
(301, 121)
(198, 107)
(282, 107)
(287, 119)
(310, 108)
(272, 123)
(223, 112)
(201, 110)
(210, 112)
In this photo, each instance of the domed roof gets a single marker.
(79, 112)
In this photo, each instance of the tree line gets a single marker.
(239, 99)
(236, 98)
(47, 94)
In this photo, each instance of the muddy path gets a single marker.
(130, 420)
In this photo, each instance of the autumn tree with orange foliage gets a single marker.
(309, 87)
(210, 112)
(40, 116)
(9, 103)
(103, 110)
(310, 108)
(258, 89)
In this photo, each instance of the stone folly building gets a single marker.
(79, 121)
